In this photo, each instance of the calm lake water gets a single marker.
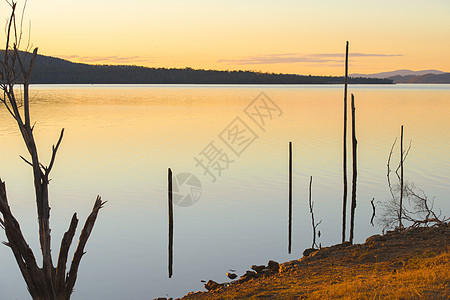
(120, 140)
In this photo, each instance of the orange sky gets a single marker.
(302, 37)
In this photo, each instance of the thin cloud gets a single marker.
(299, 58)
(112, 59)
(354, 55)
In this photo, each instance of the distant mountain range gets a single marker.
(402, 72)
(51, 70)
(409, 76)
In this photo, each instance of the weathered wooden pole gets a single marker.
(290, 199)
(354, 154)
(312, 213)
(170, 200)
(401, 181)
(344, 197)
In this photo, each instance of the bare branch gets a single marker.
(54, 150)
(25, 160)
(22, 252)
(9, 109)
(314, 224)
(404, 157)
(417, 210)
(63, 253)
(21, 23)
(389, 168)
(8, 32)
(85, 233)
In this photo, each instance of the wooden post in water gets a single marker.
(401, 181)
(344, 197)
(312, 213)
(170, 200)
(354, 154)
(290, 199)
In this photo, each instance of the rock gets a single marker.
(250, 274)
(288, 266)
(258, 269)
(265, 271)
(273, 265)
(322, 253)
(247, 276)
(231, 275)
(308, 251)
(211, 285)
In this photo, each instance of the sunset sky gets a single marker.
(301, 37)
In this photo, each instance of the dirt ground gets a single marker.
(408, 264)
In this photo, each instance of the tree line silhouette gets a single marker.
(51, 70)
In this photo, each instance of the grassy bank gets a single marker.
(410, 264)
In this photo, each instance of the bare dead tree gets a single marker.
(314, 224)
(49, 281)
(416, 208)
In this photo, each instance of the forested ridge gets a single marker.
(51, 70)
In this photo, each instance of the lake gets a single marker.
(120, 141)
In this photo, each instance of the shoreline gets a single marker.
(413, 263)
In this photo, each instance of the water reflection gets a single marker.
(170, 200)
(290, 200)
(120, 141)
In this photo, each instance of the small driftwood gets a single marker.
(311, 210)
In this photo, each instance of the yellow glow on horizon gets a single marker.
(250, 35)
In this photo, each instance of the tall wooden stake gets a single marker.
(354, 154)
(170, 223)
(401, 181)
(344, 197)
(312, 213)
(290, 198)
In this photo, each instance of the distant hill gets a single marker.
(51, 70)
(427, 78)
(403, 72)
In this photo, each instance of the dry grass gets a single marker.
(425, 278)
